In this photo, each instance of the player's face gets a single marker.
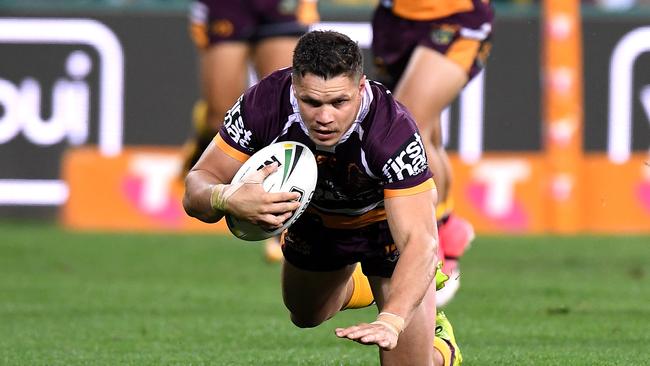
(328, 107)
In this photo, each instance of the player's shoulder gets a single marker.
(255, 119)
(270, 87)
(387, 119)
(385, 104)
(267, 99)
(390, 136)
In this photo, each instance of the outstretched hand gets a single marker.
(249, 201)
(374, 333)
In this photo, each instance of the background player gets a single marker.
(426, 52)
(230, 36)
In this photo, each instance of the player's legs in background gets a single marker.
(271, 54)
(273, 250)
(223, 78)
(428, 85)
(274, 53)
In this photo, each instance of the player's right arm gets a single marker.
(214, 167)
(209, 194)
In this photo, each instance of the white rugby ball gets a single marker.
(297, 172)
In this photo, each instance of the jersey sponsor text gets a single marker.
(234, 124)
(407, 162)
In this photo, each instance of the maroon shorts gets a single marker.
(310, 246)
(463, 38)
(242, 20)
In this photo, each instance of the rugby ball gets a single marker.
(297, 172)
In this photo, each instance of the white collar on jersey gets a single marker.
(366, 100)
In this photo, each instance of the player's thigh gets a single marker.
(273, 53)
(320, 294)
(224, 73)
(430, 82)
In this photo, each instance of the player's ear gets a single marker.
(362, 83)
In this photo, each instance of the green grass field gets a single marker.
(132, 299)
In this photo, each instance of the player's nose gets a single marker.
(324, 115)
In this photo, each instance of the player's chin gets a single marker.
(324, 138)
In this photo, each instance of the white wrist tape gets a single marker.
(391, 321)
(219, 195)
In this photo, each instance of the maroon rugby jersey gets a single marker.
(381, 155)
(436, 9)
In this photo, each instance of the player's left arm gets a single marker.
(413, 228)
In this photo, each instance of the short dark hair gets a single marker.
(327, 54)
